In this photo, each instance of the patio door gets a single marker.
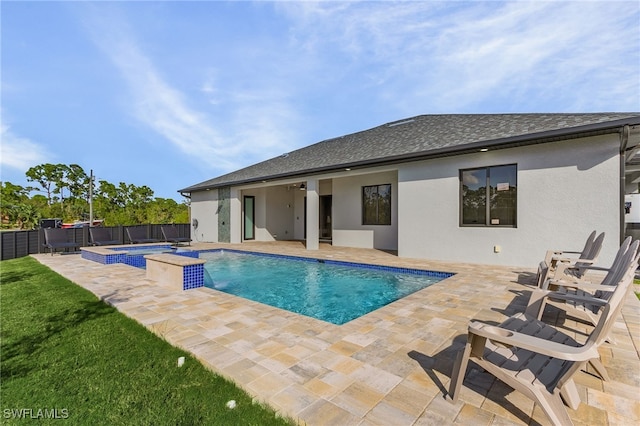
(325, 217)
(249, 202)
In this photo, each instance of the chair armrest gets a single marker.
(565, 280)
(550, 254)
(534, 344)
(561, 252)
(561, 269)
(571, 260)
(595, 268)
(580, 298)
(537, 302)
(584, 285)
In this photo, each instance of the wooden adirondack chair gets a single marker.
(537, 359)
(557, 263)
(584, 310)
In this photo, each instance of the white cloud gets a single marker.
(209, 139)
(209, 88)
(154, 102)
(542, 49)
(453, 56)
(18, 152)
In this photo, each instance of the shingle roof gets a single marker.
(422, 136)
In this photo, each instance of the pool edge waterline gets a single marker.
(398, 269)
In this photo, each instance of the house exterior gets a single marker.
(482, 188)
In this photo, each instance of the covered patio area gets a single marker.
(389, 367)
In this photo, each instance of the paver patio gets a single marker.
(389, 367)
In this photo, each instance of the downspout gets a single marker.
(624, 140)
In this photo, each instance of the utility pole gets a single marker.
(91, 197)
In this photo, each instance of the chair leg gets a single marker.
(536, 304)
(458, 373)
(540, 276)
(553, 407)
(569, 394)
(599, 368)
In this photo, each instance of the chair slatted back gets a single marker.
(55, 236)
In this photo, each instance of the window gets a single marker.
(488, 196)
(376, 205)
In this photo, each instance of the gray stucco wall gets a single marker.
(565, 190)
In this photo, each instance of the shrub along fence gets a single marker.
(14, 244)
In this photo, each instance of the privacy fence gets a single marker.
(14, 244)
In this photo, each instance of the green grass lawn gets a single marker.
(66, 354)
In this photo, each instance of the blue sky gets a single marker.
(169, 94)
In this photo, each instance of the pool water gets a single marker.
(142, 250)
(330, 292)
(145, 251)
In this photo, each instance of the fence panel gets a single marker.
(7, 246)
(15, 244)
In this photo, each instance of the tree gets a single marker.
(67, 197)
(77, 181)
(47, 175)
(13, 194)
(166, 210)
(14, 200)
(27, 217)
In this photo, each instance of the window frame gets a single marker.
(364, 204)
(487, 197)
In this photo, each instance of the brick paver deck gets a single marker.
(389, 367)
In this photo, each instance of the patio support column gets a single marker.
(313, 215)
(235, 208)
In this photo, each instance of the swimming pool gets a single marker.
(336, 292)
